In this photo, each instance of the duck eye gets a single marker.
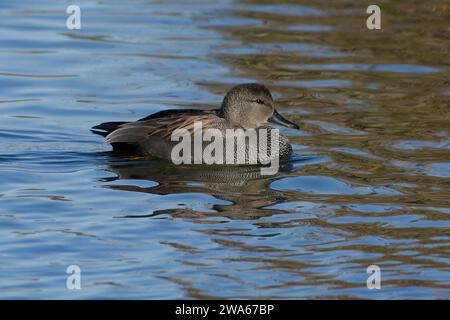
(259, 101)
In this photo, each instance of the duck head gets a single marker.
(250, 106)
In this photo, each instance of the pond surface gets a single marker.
(371, 184)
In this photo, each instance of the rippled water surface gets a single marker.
(371, 184)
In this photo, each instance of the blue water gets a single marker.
(370, 184)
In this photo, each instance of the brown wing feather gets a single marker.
(138, 131)
(168, 126)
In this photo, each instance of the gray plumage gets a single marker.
(246, 106)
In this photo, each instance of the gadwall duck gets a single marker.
(245, 106)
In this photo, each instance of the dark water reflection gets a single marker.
(369, 185)
(243, 189)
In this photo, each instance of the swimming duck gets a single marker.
(245, 106)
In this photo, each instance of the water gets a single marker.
(370, 184)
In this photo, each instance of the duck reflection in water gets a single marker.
(243, 186)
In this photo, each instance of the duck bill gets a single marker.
(278, 119)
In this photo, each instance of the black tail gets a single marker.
(106, 128)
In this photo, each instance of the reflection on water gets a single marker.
(369, 185)
(243, 190)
